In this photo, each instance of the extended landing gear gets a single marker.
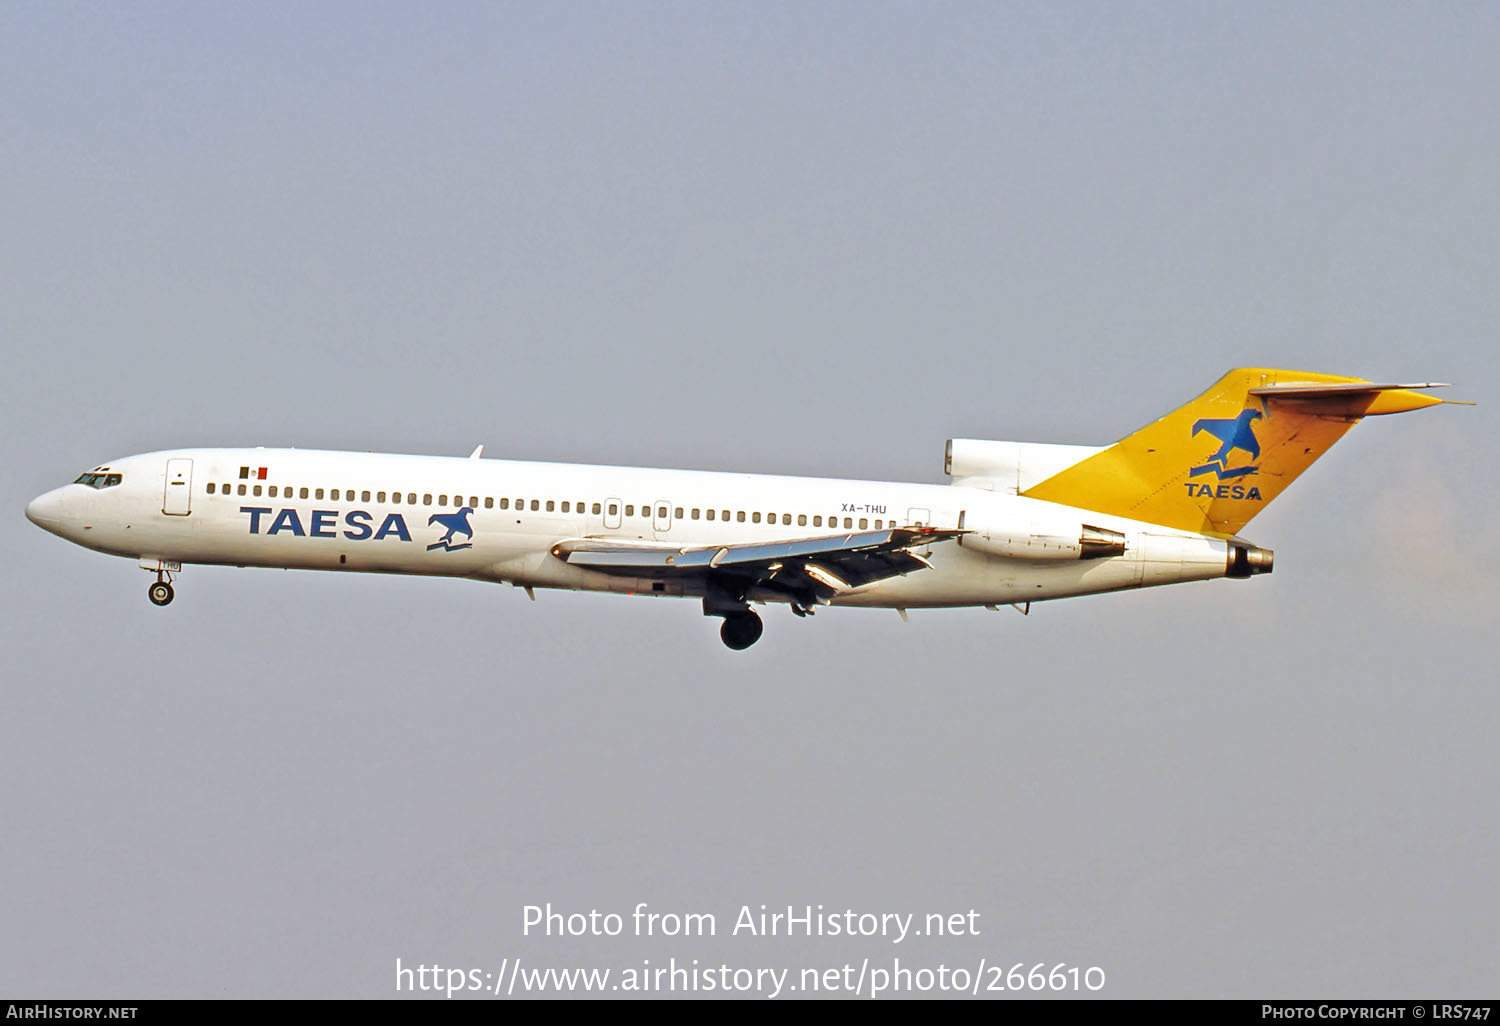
(741, 630)
(161, 592)
(726, 597)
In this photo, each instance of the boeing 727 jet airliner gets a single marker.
(1018, 523)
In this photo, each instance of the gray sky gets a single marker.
(807, 238)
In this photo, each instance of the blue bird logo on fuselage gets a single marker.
(455, 523)
(1235, 433)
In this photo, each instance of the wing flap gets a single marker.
(824, 565)
(647, 557)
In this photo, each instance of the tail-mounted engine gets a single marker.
(1053, 542)
(1248, 560)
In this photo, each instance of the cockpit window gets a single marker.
(94, 480)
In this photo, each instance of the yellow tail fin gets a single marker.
(1212, 465)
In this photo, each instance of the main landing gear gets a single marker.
(726, 597)
(741, 630)
(161, 593)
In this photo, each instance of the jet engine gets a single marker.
(1043, 541)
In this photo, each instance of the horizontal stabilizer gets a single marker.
(1352, 386)
(1373, 399)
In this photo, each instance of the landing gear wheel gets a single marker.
(741, 630)
(160, 593)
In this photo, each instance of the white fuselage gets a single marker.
(376, 512)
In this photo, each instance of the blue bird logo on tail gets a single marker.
(1235, 433)
(455, 523)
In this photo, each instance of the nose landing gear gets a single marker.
(161, 592)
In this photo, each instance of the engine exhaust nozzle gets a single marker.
(1249, 560)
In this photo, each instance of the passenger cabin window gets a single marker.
(411, 498)
(505, 504)
(427, 499)
(535, 505)
(711, 514)
(551, 506)
(801, 519)
(380, 496)
(740, 516)
(241, 489)
(317, 493)
(817, 521)
(755, 518)
(211, 487)
(629, 510)
(489, 502)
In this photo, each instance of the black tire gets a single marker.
(741, 630)
(160, 593)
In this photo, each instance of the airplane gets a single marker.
(1018, 523)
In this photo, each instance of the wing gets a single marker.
(807, 570)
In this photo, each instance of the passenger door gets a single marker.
(177, 499)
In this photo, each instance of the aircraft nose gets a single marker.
(45, 511)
